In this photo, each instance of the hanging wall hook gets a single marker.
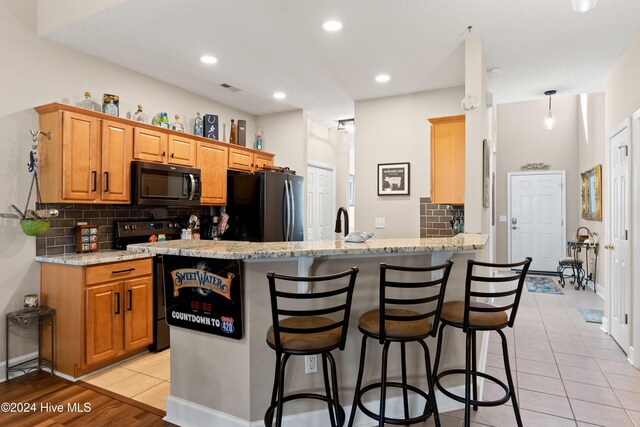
(35, 133)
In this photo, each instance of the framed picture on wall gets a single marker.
(393, 179)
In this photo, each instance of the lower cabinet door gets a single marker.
(138, 313)
(104, 306)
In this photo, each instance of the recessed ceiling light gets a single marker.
(279, 95)
(332, 26)
(208, 59)
(382, 78)
(583, 5)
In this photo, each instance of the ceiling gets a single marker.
(265, 46)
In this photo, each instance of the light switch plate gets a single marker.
(380, 222)
(503, 218)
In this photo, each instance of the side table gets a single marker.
(23, 319)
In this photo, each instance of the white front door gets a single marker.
(619, 232)
(536, 218)
(320, 203)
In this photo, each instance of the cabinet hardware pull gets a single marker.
(172, 155)
(130, 299)
(117, 302)
(123, 271)
(94, 175)
(106, 182)
(164, 153)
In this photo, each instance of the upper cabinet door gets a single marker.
(182, 151)
(149, 145)
(80, 164)
(262, 160)
(447, 160)
(212, 161)
(240, 160)
(116, 161)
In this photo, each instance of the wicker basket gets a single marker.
(582, 236)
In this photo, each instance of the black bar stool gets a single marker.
(308, 332)
(388, 325)
(473, 316)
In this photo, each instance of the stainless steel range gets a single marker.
(141, 231)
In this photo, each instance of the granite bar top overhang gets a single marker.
(258, 250)
(93, 258)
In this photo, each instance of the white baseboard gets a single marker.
(631, 356)
(15, 361)
(188, 414)
(605, 325)
(599, 290)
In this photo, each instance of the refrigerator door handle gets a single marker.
(293, 209)
(287, 212)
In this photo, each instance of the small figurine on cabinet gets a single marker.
(197, 125)
(111, 104)
(89, 103)
(177, 125)
(139, 116)
(232, 132)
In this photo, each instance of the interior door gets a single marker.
(536, 220)
(618, 248)
(320, 203)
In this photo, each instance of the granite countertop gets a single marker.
(92, 258)
(250, 250)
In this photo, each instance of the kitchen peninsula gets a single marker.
(225, 382)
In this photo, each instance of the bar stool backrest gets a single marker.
(426, 306)
(327, 305)
(517, 278)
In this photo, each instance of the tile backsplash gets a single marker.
(61, 238)
(434, 218)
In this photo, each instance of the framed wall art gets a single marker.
(393, 179)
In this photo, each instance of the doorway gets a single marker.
(618, 248)
(537, 218)
(320, 201)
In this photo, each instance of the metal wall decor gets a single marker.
(534, 166)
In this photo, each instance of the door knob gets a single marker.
(514, 227)
(609, 246)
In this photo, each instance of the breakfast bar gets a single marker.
(217, 380)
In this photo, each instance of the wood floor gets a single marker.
(105, 410)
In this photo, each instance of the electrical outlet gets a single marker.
(380, 222)
(310, 364)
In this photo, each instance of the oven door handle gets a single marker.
(192, 194)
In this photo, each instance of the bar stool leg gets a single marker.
(336, 398)
(512, 392)
(405, 396)
(276, 378)
(356, 394)
(474, 369)
(327, 389)
(467, 381)
(285, 358)
(438, 350)
(383, 388)
(432, 394)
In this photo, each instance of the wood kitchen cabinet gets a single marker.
(104, 313)
(159, 146)
(246, 160)
(212, 162)
(447, 160)
(86, 160)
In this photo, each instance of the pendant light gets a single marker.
(549, 118)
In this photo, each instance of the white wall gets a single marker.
(622, 99)
(523, 139)
(395, 129)
(37, 72)
(286, 134)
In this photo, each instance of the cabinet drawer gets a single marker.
(118, 271)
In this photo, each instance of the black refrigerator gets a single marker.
(265, 206)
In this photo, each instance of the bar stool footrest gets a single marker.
(473, 402)
(268, 416)
(395, 421)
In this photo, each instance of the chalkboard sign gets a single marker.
(211, 126)
(204, 294)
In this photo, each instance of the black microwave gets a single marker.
(156, 184)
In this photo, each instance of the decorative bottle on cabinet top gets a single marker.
(89, 103)
(139, 116)
(161, 120)
(177, 125)
(197, 127)
(232, 132)
(259, 140)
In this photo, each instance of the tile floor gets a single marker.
(145, 378)
(567, 371)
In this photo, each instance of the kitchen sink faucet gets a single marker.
(339, 222)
